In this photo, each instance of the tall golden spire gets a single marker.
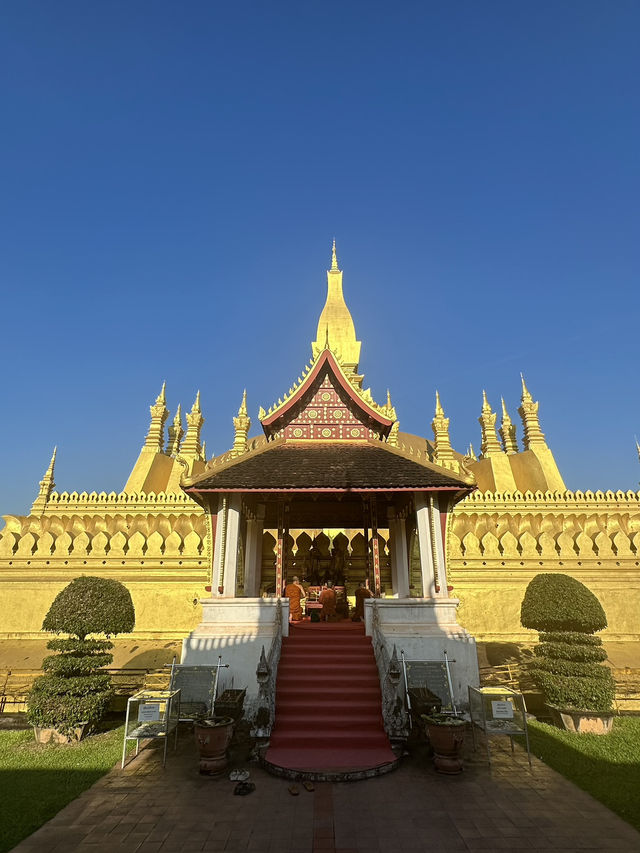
(528, 411)
(154, 442)
(241, 424)
(335, 326)
(47, 485)
(191, 448)
(490, 445)
(508, 431)
(442, 443)
(176, 432)
(392, 438)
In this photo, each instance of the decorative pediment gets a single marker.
(326, 406)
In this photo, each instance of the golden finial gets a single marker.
(161, 399)
(243, 406)
(507, 431)
(439, 409)
(485, 403)
(261, 413)
(176, 433)
(47, 485)
(528, 411)
(526, 394)
(334, 257)
(196, 405)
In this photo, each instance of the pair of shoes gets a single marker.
(243, 788)
(239, 775)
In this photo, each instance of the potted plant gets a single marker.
(213, 736)
(74, 693)
(446, 736)
(569, 660)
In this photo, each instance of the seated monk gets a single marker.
(361, 594)
(328, 601)
(294, 591)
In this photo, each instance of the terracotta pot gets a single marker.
(212, 739)
(582, 722)
(447, 742)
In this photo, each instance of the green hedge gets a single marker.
(75, 689)
(557, 602)
(568, 663)
(90, 605)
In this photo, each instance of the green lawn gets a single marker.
(607, 766)
(37, 781)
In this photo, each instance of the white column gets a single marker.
(218, 546)
(436, 532)
(399, 555)
(234, 507)
(253, 553)
(425, 547)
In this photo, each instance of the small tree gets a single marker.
(569, 659)
(74, 690)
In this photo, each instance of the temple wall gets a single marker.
(497, 543)
(158, 546)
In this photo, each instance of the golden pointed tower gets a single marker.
(528, 411)
(176, 432)
(47, 485)
(490, 445)
(392, 438)
(191, 449)
(442, 443)
(154, 442)
(241, 425)
(508, 431)
(335, 326)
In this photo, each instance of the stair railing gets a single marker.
(394, 711)
(266, 674)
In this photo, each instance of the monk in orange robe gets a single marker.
(294, 591)
(362, 593)
(328, 601)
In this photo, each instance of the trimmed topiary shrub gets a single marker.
(568, 660)
(74, 690)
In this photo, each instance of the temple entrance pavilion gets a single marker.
(266, 506)
(328, 459)
(369, 490)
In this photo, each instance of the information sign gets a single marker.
(149, 712)
(502, 710)
(431, 674)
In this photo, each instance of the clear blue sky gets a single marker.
(172, 175)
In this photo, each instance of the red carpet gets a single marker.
(328, 702)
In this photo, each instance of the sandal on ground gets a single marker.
(308, 786)
(293, 790)
(243, 788)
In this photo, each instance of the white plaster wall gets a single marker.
(424, 628)
(237, 629)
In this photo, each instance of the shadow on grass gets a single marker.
(38, 780)
(606, 766)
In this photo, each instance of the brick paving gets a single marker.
(145, 808)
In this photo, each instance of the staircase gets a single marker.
(328, 721)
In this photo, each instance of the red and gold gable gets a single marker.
(327, 418)
(326, 407)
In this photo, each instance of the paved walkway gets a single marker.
(145, 808)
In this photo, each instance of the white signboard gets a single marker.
(502, 710)
(149, 712)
